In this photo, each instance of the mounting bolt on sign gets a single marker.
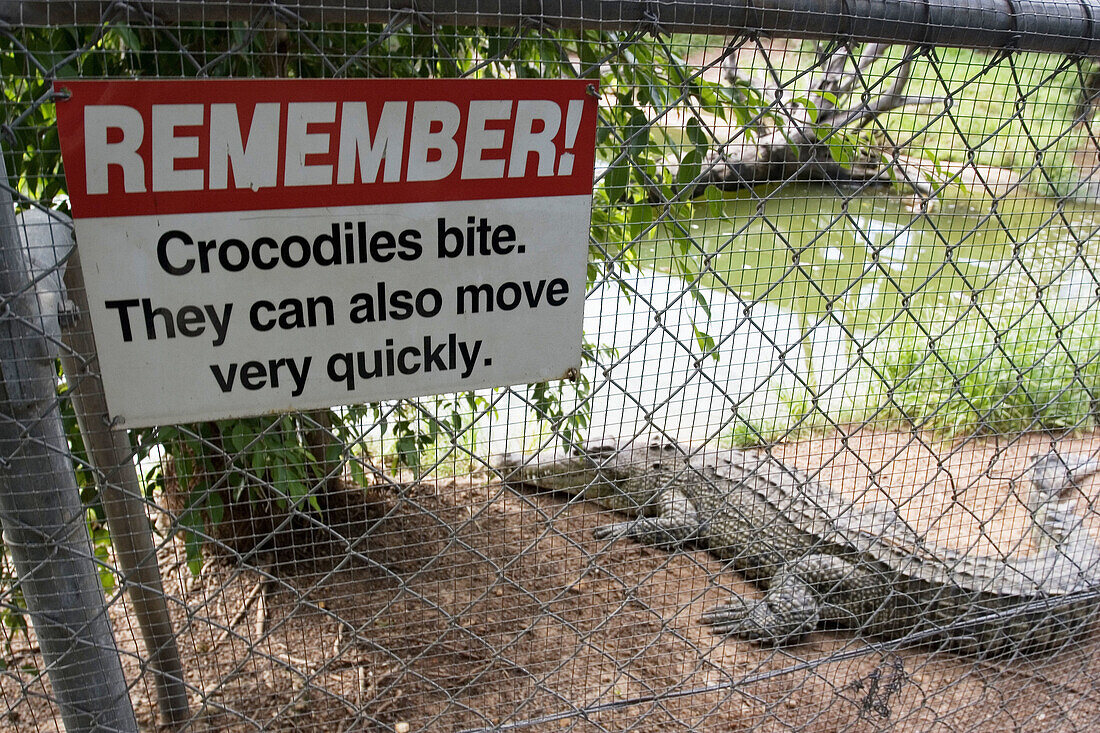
(260, 245)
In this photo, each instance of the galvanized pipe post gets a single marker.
(120, 491)
(41, 513)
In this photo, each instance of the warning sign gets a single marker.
(258, 246)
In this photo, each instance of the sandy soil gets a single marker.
(465, 605)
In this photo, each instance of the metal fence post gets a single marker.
(41, 513)
(109, 452)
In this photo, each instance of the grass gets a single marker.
(1017, 113)
(1025, 368)
(1019, 372)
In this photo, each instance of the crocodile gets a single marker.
(823, 560)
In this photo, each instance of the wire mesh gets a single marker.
(874, 263)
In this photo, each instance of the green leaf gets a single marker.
(691, 165)
(706, 342)
(616, 180)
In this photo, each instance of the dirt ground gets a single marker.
(464, 605)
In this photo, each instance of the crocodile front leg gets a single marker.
(797, 600)
(674, 523)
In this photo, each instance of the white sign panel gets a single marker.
(259, 246)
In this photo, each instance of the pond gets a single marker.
(873, 257)
(815, 308)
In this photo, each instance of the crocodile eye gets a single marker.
(656, 466)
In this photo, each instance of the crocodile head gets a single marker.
(595, 469)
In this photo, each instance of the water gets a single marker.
(798, 286)
(873, 257)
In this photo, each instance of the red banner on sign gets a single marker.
(187, 146)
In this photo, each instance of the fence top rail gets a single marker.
(1059, 26)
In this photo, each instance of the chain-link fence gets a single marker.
(842, 356)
